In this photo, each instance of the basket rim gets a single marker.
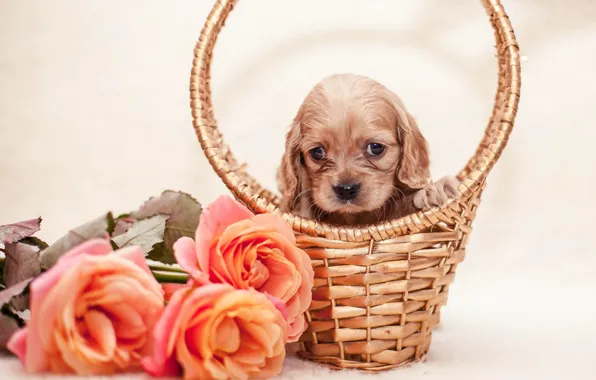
(472, 176)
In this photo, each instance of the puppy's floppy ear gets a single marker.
(288, 175)
(414, 167)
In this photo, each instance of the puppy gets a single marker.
(354, 155)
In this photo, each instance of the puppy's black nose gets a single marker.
(347, 191)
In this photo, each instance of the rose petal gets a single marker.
(92, 247)
(58, 365)
(259, 334)
(259, 274)
(215, 369)
(70, 358)
(159, 364)
(227, 336)
(273, 367)
(277, 223)
(170, 289)
(192, 362)
(248, 355)
(186, 256)
(283, 282)
(136, 255)
(47, 310)
(296, 328)
(223, 212)
(18, 344)
(223, 255)
(235, 370)
(102, 331)
(127, 322)
(110, 290)
(169, 368)
(279, 305)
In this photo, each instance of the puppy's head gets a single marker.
(352, 144)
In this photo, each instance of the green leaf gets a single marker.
(111, 223)
(12, 233)
(10, 321)
(184, 212)
(9, 324)
(22, 262)
(32, 240)
(144, 233)
(161, 254)
(8, 294)
(96, 228)
(123, 223)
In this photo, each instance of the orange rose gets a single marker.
(91, 313)
(236, 247)
(218, 332)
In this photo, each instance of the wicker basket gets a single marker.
(378, 288)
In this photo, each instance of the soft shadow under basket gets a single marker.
(378, 288)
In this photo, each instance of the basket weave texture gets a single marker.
(378, 288)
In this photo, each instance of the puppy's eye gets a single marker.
(317, 153)
(375, 149)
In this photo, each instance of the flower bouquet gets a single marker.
(169, 289)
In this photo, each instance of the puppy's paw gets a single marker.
(437, 194)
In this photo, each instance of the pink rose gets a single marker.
(218, 332)
(91, 313)
(236, 247)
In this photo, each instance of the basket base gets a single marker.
(365, 364)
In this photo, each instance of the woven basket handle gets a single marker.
(506, 100)
(246, 189)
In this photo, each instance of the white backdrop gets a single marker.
(94, 115)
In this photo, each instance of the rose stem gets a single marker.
(170, 277)
(165, 268)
